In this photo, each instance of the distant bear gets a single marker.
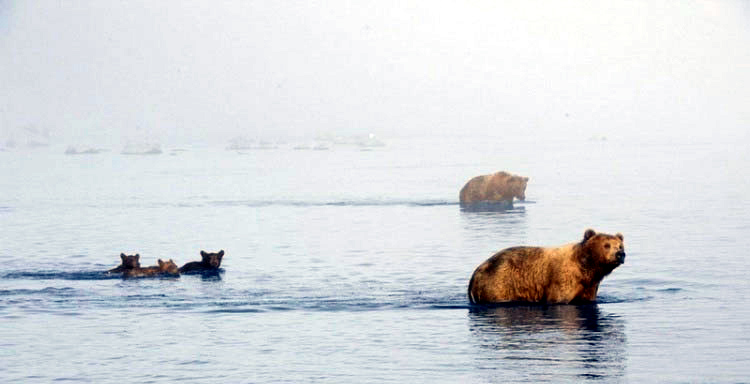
(128, 262)
(164, 268)
(569, 273)
(209, 262)
(496, 187)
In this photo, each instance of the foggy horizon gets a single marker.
(430, 192)
(176, 72)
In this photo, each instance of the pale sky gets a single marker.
(186, 71)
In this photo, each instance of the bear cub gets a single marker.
(165, 268)
(128, 262)
(210, 262)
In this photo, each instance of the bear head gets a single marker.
(604, 251)
(212, 260)
(168, 267)
(507, 185)
(130, 261)
(517, 186)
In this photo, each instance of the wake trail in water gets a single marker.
(168, 294)
(333, 203)
(197, 203)
(57, 275)
(368, 203)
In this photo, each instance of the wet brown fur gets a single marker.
(566, 274)
(128, 262)
(209, 262)
(500, 186)
(164, 268)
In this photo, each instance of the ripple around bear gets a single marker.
(128, 262)
(569, 273)
(496, 187)
(165, 268)
(210, 262)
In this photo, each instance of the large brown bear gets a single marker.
(500, 187)
(569, 273)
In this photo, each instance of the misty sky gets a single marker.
(187, 70)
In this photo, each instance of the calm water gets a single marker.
(351, 266)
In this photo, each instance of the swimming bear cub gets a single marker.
(128, 262)
(569, 273)
(165, 268)
(210, 262)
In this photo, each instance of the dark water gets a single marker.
(351, 266)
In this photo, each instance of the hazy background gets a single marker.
(192, 71)
(351, 265)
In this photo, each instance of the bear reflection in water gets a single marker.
(568, 341)
(490, 206)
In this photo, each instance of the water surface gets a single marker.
(352, 266)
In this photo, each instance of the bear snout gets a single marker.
(620, 256)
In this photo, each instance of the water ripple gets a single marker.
(49, 291)
(57, 275)
(333, 203)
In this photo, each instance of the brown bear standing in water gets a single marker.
(164, 268)
(128, 262)
(209, 262)
(569, 273)
(500, 187)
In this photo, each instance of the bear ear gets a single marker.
(619, 236)
(203, 253)
(160, 262)
(122, 256)
(588, 234)
(221, 252)
(137, 257)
